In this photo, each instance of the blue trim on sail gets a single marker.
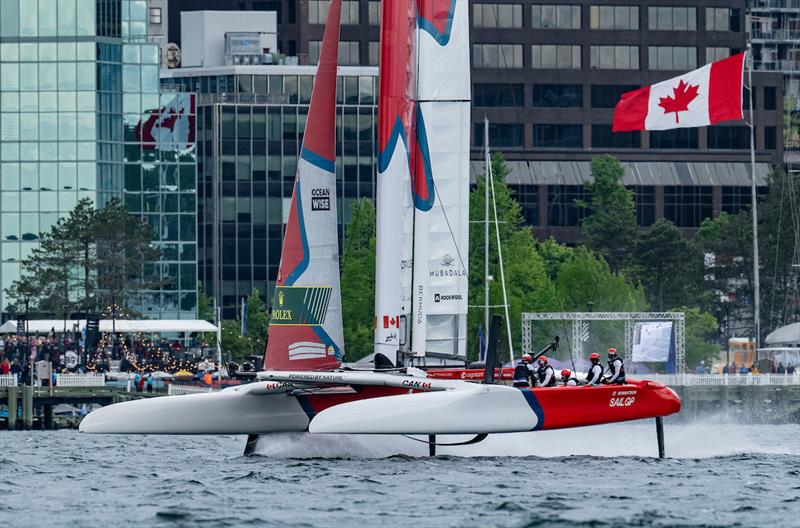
(385, 156)
(326, 340)
(428, 26)
(306, 406)
(303, 264)
(317, 160)
(535, 407)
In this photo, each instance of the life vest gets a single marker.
(598, 378)
(621, 374)
(541, 374)
(522, 373)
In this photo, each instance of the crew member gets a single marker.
(568, 379)
(545, 374)
(616, 369)
(595, 374)
(524, 373)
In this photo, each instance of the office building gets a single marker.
(82, 116)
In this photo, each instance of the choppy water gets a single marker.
(719, 475)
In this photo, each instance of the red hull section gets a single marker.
(554, 407)
(581, 406)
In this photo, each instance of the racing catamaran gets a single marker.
(421, 278)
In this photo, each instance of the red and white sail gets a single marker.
(397, 145)
(441, 185)
(305, 330)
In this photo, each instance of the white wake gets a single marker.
(693, 440)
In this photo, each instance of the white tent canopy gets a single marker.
(123, 326)
(785, 335)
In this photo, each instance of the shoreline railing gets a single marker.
(177, 389)
(721, 379)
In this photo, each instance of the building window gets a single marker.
(374, 12)
(556, 17)
(557, 95)
(734, 199)
(614, 17)
(770, 133)
(557, 136)
(614, 57)
(722, 19)
(528, 198)
(687, 205)
(645, 200)
(318, 11)
(672, 58)
(497, 55)
(769, 98)
(677, 138)
(715, 54)
(555, 57)
(728, 137)
(497, 15)
(561, 207)
(607, 96)
(374, 53)
(155, 15)
(603, 137)
(348, 52)
(672, 18)
(501, 135)
(498, 95)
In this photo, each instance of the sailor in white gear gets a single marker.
(595, 374)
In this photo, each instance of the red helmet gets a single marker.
(542, 359)
(527, 358)
(594, 355)
(566, 373)
(612, 351)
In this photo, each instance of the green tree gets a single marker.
(528, 286)
(125, 256)
(610, 228)
(358, 280)
(205, 304)
(701, 334)
(587, 278)
(669, 267)
(238, 346)
(47, 283)
(79, 229)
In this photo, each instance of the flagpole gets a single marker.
(754, 205)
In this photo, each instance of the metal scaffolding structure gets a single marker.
(580, 329)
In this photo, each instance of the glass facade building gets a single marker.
(250, 127)
(81, 116)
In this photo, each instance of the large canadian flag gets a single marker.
(701, 97)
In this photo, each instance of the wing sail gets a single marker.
(441, 186)
(305, 329)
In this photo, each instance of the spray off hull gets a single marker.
(263, 408)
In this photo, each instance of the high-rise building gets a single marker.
(775, 36)
(82, 116)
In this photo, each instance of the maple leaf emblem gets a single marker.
(683, 94)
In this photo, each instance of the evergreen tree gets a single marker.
(358, 281)
(610, 228)
(125, 256)
(669, 267)
(238, 346)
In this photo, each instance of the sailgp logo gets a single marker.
(447, 260)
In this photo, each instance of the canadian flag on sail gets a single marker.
(701, 97)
